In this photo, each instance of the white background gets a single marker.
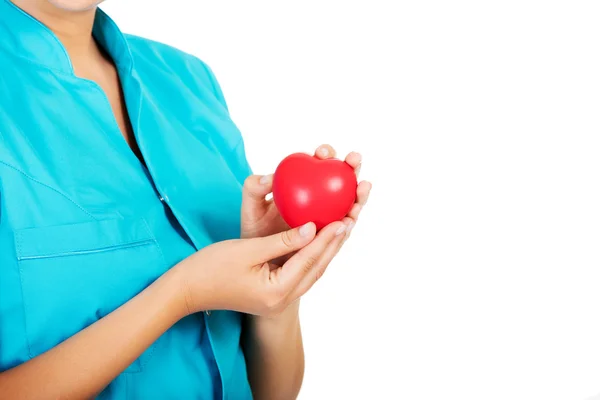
(475, 271)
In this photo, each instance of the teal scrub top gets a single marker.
(85, 226)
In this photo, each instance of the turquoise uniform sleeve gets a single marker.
(215, 85)
(237, 158)
(239, 162)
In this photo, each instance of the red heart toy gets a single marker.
(308, 189)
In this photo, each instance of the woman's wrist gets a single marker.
(178, 293)
(282, 324)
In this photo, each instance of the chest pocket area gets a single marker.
(73, 275)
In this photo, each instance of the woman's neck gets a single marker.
(73, 29)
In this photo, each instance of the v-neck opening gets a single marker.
(125, 104)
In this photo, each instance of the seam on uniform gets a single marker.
(34, 63)
(83, 252)
(49, 187)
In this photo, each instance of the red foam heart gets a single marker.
(308, 189)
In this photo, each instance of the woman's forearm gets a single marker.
(275, 355)
(83, 365)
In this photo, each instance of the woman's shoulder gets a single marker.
(145, 47)
(151, 56)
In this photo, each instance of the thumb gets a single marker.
(257, 187)
(264, 249)
(255, 190)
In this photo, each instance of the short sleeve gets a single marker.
(218, 92)
(238, 161)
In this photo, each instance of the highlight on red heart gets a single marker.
(309, 189)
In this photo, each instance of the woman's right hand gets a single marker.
(237, 274)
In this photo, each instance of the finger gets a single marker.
(332, 250)
(362, 192)
(362, 195)
(325, 151)
(262, 249)
(354, 159)
(255, 190)
(355, 211)
(302, 263)
(257, 187)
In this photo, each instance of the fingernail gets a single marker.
(340, 230)
(350, 227)
(305, 230)
(359, 156)
(324, 152)
(264, 179)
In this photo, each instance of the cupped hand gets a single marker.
(237, 275)
(260, 216)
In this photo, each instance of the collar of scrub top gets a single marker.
(25, 37)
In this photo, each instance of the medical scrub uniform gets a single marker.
(85, 225)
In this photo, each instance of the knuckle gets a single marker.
(287, 239)
(248, 181)
(250, 186)
(309, 263)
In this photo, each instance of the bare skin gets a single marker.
(273, 346)
(83, 365)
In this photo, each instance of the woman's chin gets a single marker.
(75, 5)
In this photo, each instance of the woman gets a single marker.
(122, 177)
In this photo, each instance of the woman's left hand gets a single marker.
(260, 216)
